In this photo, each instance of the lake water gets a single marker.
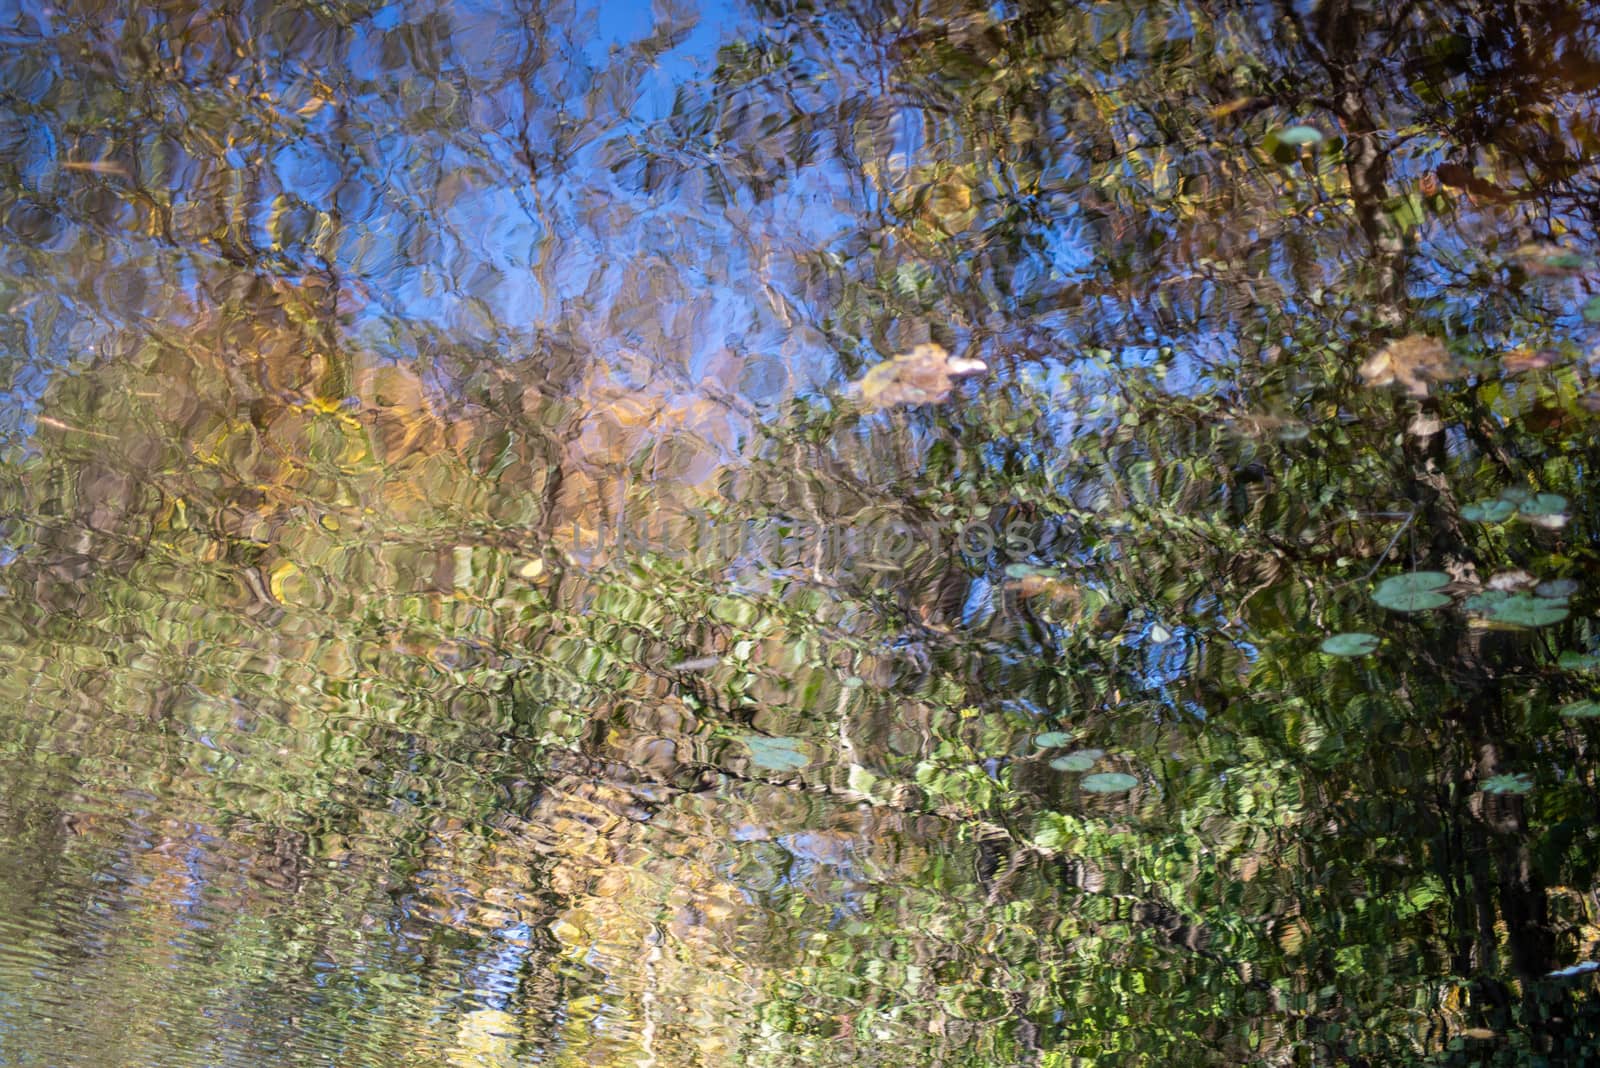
(809, 533)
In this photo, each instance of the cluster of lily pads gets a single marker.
(1519, 601)
(1511, 599)
(1081, 760)
(1514, 502)
(1519, 604)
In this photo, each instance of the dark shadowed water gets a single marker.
(822, 533)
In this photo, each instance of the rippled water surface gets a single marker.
(798, 534)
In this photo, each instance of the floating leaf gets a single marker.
(1549, 260)
(1487, 511)
(1562, 588)
(1052, 739)
(1581, 710)
(1415, 581)
(1546, 510)
(776, 754)
(1515, 579)
(1035, 583)
(925, 375)
(1487, 601)
(1518, 361)
(1526, 610)
(1517, 783)
(1548, 522)
(1411, 361)
(1228, 107)
(698, 663)
(1572, 661)
(1109, 782)
(1422, 426)
(1543, 504)
(1516, 494)
(1352, 643)
(1082, 760)
(1413, 592)
(1414, 602)
(1591, 310)
(1300, 135)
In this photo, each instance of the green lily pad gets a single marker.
(1516, 494)
(1543, 504)
(1591, 310)
(1352, 643)
(1082, 760)
(1489, 511)
(1581, 710)
(1486, 601)
(1515, 783)
(1525, 610)
(1052, 739)
(1417, 591)
(1109, 782)
(1415, 602)
(776, 754)
(1573, 661)
(1300, 135)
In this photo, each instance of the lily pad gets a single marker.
(1052, 739)
(1109, 782)
(1352, 643)
(1487, 511)
(1561, 588)
(1515, 783)
(776, 754)
(1516, 494)
(1523, 610)
(1574, 661)
(1417, 591)
(1543, 504)
(1581, 710)
(1300, 135)
(1486, 601)
(1082, 760)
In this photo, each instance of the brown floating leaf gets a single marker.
(1512, 580)
(1548, 261)
(1411, 361)
(1519, 360)
(925, 375)
(1228, 107)
(95, 166)
(1423, 425)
